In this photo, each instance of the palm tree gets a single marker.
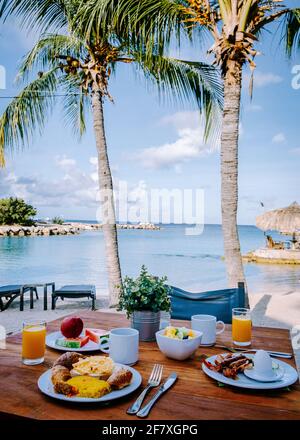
(234, 27)
(78, 66)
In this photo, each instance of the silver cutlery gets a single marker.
(162, 389)
(277, 354)
(154, 381)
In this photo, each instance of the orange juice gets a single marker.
(33, 343)
(241, 329)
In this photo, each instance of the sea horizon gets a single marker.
(158, 224)
(191, 262)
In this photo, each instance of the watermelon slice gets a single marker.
(96, 334)
(72, 342)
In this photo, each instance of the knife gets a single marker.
(162, 389)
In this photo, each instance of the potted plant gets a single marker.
(143, 299)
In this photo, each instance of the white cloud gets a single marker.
(262, 79)
(181, 120)
(93, 160)
(65, 162)
(73, 187)
(279, 138)
(189, 145)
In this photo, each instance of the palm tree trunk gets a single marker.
(107, 202)
(229, 174)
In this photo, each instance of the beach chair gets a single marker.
(10, 292)
(217, 302)
(75, 291)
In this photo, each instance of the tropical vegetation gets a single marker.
(235, 27)
(58, 220)
(292, 31)
(102, 33)
(145, 293)
(78, 64)
(15, 211)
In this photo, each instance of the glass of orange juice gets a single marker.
(241, 326)
(33, 342)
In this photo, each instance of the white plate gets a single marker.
(273, 377)
(52, 337)
(290, 376)
(46, 387)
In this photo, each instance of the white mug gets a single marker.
(207, 324)
(122, 345)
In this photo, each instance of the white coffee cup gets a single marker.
(207, 324)
(122, 345)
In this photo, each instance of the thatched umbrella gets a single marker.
(284, 220)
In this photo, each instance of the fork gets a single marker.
(154, 381)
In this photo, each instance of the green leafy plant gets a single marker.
(16, 211)
(145, 293)
(58, 220)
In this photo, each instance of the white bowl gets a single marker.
(178, 349)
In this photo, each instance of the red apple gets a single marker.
(71, 327)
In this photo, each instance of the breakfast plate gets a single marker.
(45, 385)
(53, 337)
(289, 377)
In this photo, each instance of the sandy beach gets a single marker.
(281, 310)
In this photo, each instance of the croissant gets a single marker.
(120, 379)
(59, 377)
(68, 359)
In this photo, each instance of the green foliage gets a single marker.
(58, 220)
(146, 292)
(27, 113)
(16, 211)
(292, 31)
(82, 33)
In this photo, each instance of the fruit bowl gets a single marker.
(179, 349)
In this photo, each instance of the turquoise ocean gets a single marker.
(192, 262)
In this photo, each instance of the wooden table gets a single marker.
(194, 396)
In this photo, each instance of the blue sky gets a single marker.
(156, 145)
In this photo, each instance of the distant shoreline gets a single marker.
(74, 227)
(68, 228)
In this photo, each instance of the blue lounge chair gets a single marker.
(11, 292)
(75, 291)
(216, 302)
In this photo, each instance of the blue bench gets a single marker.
(75, 291)
(216, 302)
(11, 292)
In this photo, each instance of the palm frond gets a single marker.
(44, 55)
(76, 104)
(27, 112)
(187, 82)
(292, 31)
(147, 22)
(41, 14)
